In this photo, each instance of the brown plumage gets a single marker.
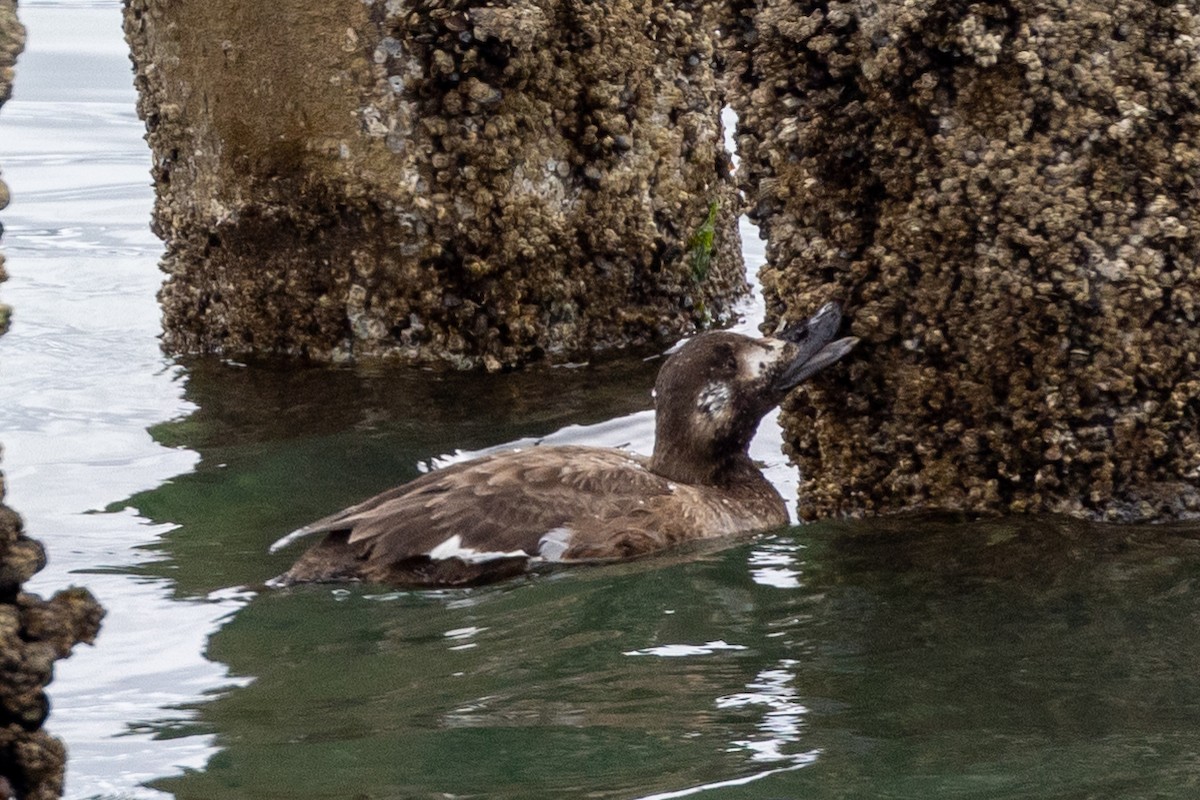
(494, 516)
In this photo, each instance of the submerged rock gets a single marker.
(1004, 194)
(434, 181)
(34, 633)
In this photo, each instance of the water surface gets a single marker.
(915, 658)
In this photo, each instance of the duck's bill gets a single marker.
(815, 347)
(806, 365)
(821, 326)
(812, 334)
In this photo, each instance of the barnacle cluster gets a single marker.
(1003, 193)
(436, 181)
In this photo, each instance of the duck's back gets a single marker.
(488, 518)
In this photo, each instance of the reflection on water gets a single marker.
(909, 658)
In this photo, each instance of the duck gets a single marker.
(511, 512)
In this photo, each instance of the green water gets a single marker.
(917, 658)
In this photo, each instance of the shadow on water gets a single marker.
(907, 658)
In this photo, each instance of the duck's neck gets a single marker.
(691, 465)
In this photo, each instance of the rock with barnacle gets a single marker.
(448, 183)
(1005, 192)
(497, 516)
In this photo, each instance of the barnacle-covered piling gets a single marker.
(1004, 193)
(34, 633)
(436, 181)
(12, 41)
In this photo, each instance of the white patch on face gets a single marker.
(760, 359)
(554, 543)
(452, 548)
(714, 399)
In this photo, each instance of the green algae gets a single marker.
(700, 246)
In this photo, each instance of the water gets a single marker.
(913, 658)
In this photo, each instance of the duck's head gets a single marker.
(712, 393)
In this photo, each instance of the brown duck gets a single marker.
(499, 515)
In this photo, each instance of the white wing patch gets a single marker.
(714, 398)
(453, 548)
(299, 533)
(554, 543)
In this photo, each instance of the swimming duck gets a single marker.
(499, 515)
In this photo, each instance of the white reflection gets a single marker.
(782, 725)
(681, 650)
(776, 564)
(462, 636)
